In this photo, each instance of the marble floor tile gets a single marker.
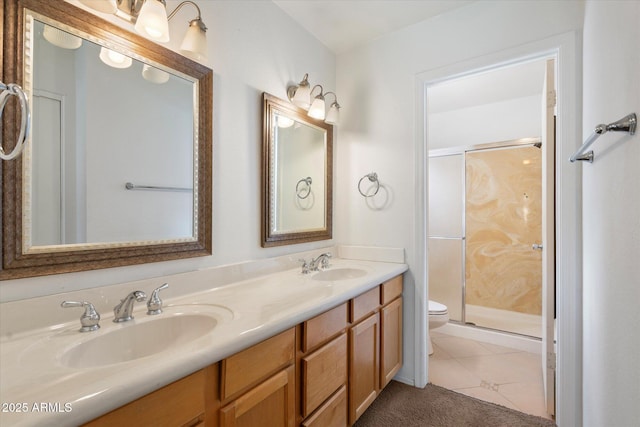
(497, 374)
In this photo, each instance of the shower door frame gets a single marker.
(463, 150)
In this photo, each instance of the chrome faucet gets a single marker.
(321, 262)
(122, 312)
(154, 305)
(90, 319)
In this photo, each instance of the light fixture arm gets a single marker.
(196, 21)
(321, 91)
(334, 96)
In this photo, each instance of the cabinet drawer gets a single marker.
(321, 328)
(323, 372)
(332, 414)
(255, 363)
(365, 304)
(179, 403)
(391, 289)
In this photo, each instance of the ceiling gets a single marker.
(342, 25)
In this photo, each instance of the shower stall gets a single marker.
(485, 234)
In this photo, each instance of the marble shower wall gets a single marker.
(503, 221)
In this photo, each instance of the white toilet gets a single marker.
(438, 316)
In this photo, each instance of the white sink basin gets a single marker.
(144, 336)
(339, 274)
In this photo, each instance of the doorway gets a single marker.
(503, 251)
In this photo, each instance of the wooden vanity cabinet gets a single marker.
(390, 330)
(189, 402)
(257, 385)
(322, 361)
(325, 372)
(375, 344)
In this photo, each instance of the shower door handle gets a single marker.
(536, 247)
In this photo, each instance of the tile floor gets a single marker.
(502, 375)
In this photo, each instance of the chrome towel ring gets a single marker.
(8, 90)
(373, 177)
(303, 193)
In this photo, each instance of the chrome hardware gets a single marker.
(536, 247)
(323, 259)
(122, 312)
(8, 90)
(625, 124)
(305, 266)
(303, 193)
(89, 320)
(372, 177)
(154, 305)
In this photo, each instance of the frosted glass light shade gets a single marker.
(333, 116)
(284, 122)
(194, 44)
(114, 59)
(152, 21)
(154, 75)
(61, 38)
(105, 6)
(317, 108)
(302, 96)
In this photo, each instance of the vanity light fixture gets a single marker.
(154, 75)
(301, 95)
(114, 59)
(61, 38)
(151, 21)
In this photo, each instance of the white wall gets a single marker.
(376, 84)
(253, 46)
(611, 222)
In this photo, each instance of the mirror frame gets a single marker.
(272, 104)
(16, 264)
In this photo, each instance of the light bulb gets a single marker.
(152, 21)
(317, 108)
(114, 59)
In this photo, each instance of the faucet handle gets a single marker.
(324, 263)
(305, 266)
(154, 305)
(89, 320)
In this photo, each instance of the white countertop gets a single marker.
(32, 377)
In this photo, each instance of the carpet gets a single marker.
(401, 405)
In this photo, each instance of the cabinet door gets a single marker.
(323, 372)
(390, 341)
(364, 364)
(333, 413)
(269, 404)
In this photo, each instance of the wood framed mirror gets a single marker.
(297, 175)
(118, 167)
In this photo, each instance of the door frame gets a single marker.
(564, 49)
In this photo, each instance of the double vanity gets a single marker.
(296, 349)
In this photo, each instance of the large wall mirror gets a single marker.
(297, 158)
(117, 170)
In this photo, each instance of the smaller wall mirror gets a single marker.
(297, 159)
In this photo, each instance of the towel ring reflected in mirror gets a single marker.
(303, 193)
(373, 177)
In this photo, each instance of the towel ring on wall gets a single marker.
(8, 90)
(373, 177)
(300, 192)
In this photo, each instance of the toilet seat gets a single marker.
(436, 308)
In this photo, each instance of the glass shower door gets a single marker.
(503, 222)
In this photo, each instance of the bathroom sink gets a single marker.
(130, 341)
(339, 274)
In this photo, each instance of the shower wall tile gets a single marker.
(503, 221)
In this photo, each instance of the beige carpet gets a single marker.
(400, 405)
